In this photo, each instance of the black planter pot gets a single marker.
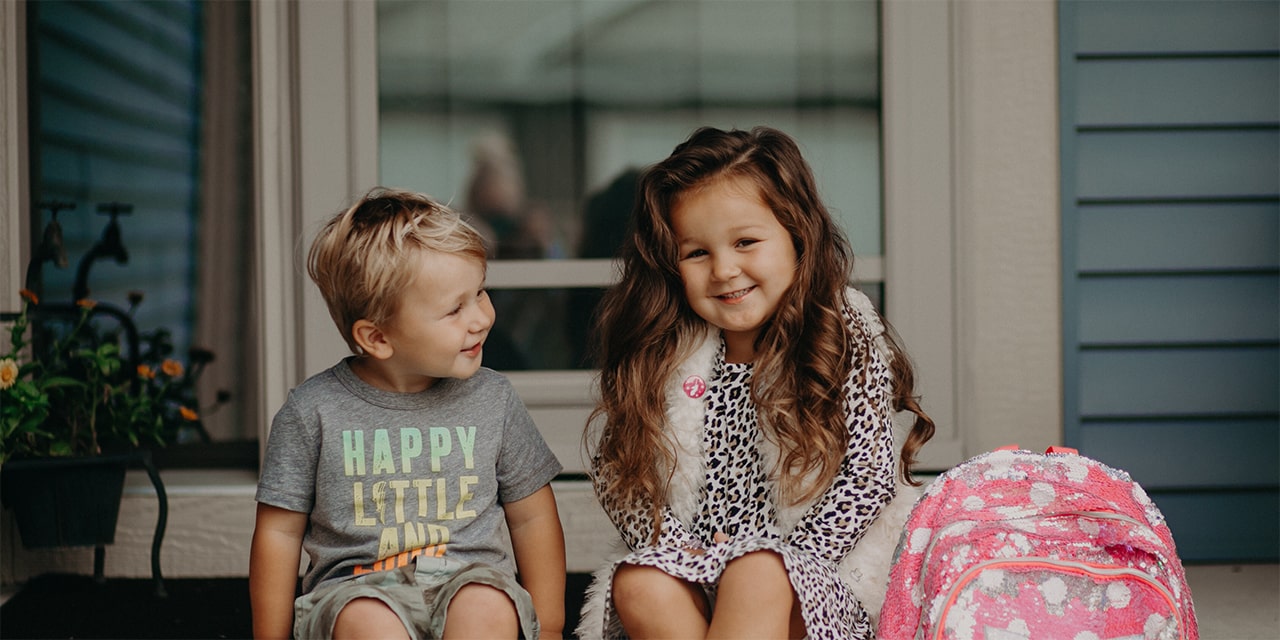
(65, 502)
(72, 502)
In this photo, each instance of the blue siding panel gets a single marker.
(1177, 454)
(1170, 149)
(1181, 237)
(1216, 91)
(1178, 164)
(118, 93)
(1142, 26)
(1222, 526)
(1174, 309)
(1180, 382)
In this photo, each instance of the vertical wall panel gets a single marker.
(1171, 258)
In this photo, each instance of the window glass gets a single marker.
(141, 180)
(532, 116)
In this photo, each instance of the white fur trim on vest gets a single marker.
(865, 570)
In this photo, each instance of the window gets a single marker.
(319, 150)
(535, 117)
(139, 145)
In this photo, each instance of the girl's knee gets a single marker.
(632, 581)
(640, 586)
(762, 572)
(651, 602)
(759, 562)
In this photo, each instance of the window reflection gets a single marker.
(140, 154)
(533, 117)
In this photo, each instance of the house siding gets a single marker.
(1170, 143)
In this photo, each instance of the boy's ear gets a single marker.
(371, 339)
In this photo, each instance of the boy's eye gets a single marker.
(696, 253)
(746, 242)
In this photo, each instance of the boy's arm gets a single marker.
(273, 570)
(538, 542)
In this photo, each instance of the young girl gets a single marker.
(746, 447)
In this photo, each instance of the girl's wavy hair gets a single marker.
(360, 258)
(645, 327)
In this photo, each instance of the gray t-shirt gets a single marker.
(386, 477)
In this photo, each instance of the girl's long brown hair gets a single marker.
(645, 327)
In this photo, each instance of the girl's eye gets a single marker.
(696, 253)
(746, 242)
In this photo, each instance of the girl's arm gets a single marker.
(834, 524)
(538, 542)
(274, 559)
(866, 481)
(635, 521)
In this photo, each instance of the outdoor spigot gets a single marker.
(51, 248)
(110, 245)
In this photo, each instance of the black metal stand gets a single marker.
(162, 519)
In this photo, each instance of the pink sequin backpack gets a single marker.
(1015, 544)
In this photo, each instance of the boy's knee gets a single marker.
(481, 604)
(368, 618)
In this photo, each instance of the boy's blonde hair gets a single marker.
(361, 260)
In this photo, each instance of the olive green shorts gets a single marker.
(419, 593)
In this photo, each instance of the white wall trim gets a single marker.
(276, 190)
(919, 200)
(14, 228)
(1007, 265)
(337, 119)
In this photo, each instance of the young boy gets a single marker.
(395, 468)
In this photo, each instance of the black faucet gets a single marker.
(109, 245)
(51, 248)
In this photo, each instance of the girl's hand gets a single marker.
(715, 539)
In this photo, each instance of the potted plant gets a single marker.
(82, 393)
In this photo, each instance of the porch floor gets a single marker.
(1233, 602)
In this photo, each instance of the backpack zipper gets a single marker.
(1095, 515)
(1109, 572)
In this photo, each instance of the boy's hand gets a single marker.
(538, 542)
(273, 570)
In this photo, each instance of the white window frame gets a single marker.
(316, 150)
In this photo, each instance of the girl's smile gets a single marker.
(736, 260)
(736, 296)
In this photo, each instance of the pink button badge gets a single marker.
(694, 386)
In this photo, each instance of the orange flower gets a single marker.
(146, 372)
(188, 414)
(30, 296)
(171, 368)
(85, 303)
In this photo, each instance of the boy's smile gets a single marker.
(735, 259)
(438, 329)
